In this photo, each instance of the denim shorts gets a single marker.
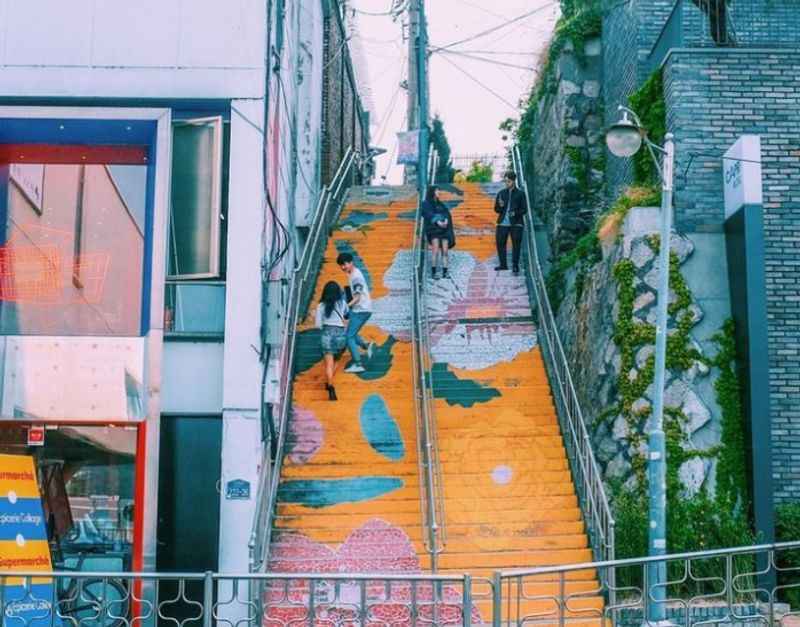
(334, 339)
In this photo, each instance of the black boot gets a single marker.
(434, 274)
(444, 273)
(331, 393)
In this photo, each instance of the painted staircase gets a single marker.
(349, 497)
(508, 493)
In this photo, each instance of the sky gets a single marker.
(461, 86)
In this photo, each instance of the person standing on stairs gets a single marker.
(332, 313)
(438, 229)
(360, 305)
(511, 207)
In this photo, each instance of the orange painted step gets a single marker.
(514, 559)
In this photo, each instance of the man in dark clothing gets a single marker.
(511, 207)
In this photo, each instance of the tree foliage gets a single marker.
(480, 172)
(445, 171)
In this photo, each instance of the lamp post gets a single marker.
(625, 139)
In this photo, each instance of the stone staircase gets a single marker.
(349, 497)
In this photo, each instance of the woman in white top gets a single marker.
(332, 314)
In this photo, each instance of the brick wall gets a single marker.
(342, 120)
(752, 23)
(712, 97)
(629, 31)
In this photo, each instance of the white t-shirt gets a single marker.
(358, 285)
(337, 317)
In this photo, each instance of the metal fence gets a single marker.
(430, 472)
(728, 24)
(746, 586)
(262, 600)
(585, 471)
(751, 586)
(301, 291)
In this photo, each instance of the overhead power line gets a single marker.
(490, 61)
(484, 86)
(493, 29)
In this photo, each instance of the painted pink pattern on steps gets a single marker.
(307, 435)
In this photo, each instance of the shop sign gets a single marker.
(36, 435)
(741, 170)
(237, 490)
(23, 545)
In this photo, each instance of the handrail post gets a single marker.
(208, 598)
(497, 599)
(467, 600)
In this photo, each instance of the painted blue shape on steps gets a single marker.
(380, 429)
(358, 218)
(327, 492)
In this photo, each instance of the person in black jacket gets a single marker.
(438, 229)
(511, 207)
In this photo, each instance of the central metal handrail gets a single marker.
(430, 474)
(301, 290)
(586, 473)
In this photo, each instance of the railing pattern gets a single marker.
(69, 599)
(585, 471)
(747, 586)
(300, 293)
(430, 474)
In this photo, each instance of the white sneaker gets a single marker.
(355, 368)
(370, 349)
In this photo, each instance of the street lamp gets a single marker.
(624, 139)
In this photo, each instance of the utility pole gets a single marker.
(418, 89)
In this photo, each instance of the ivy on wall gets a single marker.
(648, 103)
(700, 521)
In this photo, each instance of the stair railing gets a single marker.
(301, 290)
(430, 472)
(585, 470)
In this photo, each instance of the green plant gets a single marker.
(480, 172)
(787, 529)
(648, 102)
(445, 171)
(586, 252)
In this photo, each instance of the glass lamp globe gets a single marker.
(624, 139)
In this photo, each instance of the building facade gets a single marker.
(159, 163)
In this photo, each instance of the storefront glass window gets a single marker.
(86, 475)
(71, 248)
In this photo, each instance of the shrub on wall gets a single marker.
(648, 102)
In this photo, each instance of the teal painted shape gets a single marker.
(308, 350)
(346, 246)
(380, 429)
(455, 391)
(381, 362)
(328, 492)
(359, 218)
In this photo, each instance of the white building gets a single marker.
(158, 162)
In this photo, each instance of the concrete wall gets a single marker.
(192, 378)
(149, 48)
(713, 96)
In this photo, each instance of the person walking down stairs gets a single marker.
(360, 305)
(511, 207)
(439, 230)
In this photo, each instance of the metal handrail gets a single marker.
(301, 290)
(585, 470)
(430, 474)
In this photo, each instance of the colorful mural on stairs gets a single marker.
(349, 492)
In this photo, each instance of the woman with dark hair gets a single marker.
(332, 314)
(438, 229)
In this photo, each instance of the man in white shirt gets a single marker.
(360, 311)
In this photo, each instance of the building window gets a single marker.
(72, 241)
(196, 206)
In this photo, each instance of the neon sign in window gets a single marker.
(72, 249)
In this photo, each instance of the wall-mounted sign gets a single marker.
(29, 178)
(741, 171)
(408, 147)
(36, 435)
(237, 490)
